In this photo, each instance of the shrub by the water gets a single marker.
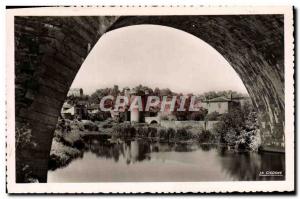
(129, 130)
(61, 154)
(183, 134)
(206, 137)
(142, 132)
(171, 133)
(152, 132)
(90, 126)
(124, 130)
(239, 129)
(163, 134)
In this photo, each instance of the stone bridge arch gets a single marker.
(50, 50)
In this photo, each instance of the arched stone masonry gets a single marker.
(50, 50)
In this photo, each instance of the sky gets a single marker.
(156, 56)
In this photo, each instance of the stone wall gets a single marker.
(205, 125)
(149, 120)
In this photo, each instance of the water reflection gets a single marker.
(240, 166)
(146, 160)
(247, 166)
(136, 150)
(206, 147)
(131, 151)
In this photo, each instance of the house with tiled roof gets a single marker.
(221, 104)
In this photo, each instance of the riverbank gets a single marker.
(61, 155)
(68, 142)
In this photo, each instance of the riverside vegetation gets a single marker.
(237, 130)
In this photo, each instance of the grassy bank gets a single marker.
(67, 144)
(61, 155)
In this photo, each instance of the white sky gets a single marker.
(156, 56)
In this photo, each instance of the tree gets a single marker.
(230, 126)
(165, 92)
(239, 128)
(156, 91)
(100, 93)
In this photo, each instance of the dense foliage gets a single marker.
(239, 129)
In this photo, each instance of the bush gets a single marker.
(73, 139)
(239, 129)
(255, 140)
(99, 116)
(124, 130)
(248, 140)
(61, 155)
(90, 126)
(206, 137)
(162, 133)
(105, 126)
(141, 132)
(183, 134)
(171, 133)
(152, 132)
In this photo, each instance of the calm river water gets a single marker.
(140, 161)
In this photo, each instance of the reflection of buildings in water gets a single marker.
(116, 151)
(247, 166)
(136, 151)
(240, 166)
(131, 151)
(104, 149)
(162, 147)
(127, 152)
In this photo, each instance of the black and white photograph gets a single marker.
(153, 95)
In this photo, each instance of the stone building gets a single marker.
(76, 92)
(221, 105)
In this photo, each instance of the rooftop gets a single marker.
(225, 99)
(219, 99)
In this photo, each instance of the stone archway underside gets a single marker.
(50, 50)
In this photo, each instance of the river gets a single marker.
(145, 161)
